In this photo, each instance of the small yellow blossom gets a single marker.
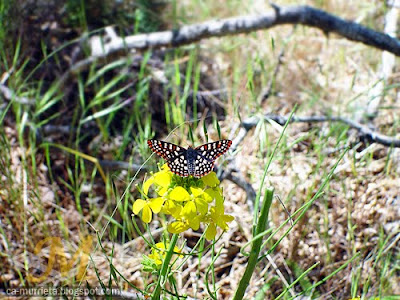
(158, 252)
(179, 194)
(218, 218)
(147, 207)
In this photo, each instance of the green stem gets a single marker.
(256, 247)
(164, 268)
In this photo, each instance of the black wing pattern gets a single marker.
(202, 167)
(212, 151)
(207, 154)
(200, 164)
(173, 154)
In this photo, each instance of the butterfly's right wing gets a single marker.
(166, 150)
(202, 166)
(173, 154)
(207, 154)
(212, 151)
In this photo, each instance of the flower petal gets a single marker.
(211, 232)
(221, 224)
(194, 223)
(147, 184)
(228, 218)
(171, 208)
(177, 227)
(210, 179)
(161, 191)
(138, 205)
(156, 204)
(160, 246)
(201, 206)
(146, 214)
(207, 197)
(196, 191)
(162, 179)
(179, 194)
(189, 210)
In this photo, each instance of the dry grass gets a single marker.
(358, 213)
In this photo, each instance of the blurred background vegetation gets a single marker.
(57, 130)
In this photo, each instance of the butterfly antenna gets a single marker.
(284, 207)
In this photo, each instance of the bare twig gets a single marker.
(185, 35)
(305, 15)
(365, 132)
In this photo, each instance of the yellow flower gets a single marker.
(147, 207)
(218, 218)
(197, 204)
(178, 226)
(161, 180)
(172, 208)
(187, 200)
(210, 179)
(158, 252)
(179, 194)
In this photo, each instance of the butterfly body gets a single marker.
(191, 156)
(195, 162)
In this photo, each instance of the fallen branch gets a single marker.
(365, 132)
(305, 15)
(189, 34)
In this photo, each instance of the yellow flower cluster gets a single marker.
(190, 201)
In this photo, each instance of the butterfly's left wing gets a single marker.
(212, 151)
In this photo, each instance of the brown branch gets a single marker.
(365, 132)
(189, 34)
(305, 15)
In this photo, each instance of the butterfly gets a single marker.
(197, 161)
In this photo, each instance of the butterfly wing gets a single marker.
(173, 154)
(212, 151)
(179, 165)
(207, 154)
(202, 166)
(165, 150)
